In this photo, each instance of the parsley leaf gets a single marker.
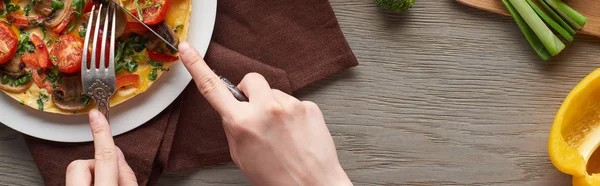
(41, 99)
(24, 44)
(28, 8)
(57, 5)
(21, 81)
(155, 67)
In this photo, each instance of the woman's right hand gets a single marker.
(275, 139)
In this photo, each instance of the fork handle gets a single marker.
(103, 106)
(101, 93)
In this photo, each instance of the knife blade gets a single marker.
(147, 27)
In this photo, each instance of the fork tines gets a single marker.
(99, 80)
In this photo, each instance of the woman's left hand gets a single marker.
(108, 168)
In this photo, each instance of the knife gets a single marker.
(147, 27)
(237, 93)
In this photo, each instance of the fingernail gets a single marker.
(184, 47)
(120, 154)
(95, 115)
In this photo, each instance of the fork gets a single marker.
(99, 82)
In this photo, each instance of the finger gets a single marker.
(257, 89)
(126, 174)
(107, 168)
(79, 172)
(284, 99)
(207, 81)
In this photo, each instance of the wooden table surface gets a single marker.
(444, 95)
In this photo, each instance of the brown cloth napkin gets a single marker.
(292, 43)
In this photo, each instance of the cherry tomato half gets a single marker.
(127, 80)
(8, 43)
(68, 53)
(41, 51)
(160, 57)
(88, 6)
(157, 12)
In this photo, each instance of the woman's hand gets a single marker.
(275, 139)
(108, 168)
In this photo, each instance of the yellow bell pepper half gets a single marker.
(575, 133)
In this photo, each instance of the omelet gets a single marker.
(40, 98)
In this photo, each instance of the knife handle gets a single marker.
(237, 93)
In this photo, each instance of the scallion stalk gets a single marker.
(569, 14)
(550, 41)
(533, 40)
(556, 17)
(551, 22)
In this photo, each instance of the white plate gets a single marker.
(128, 115)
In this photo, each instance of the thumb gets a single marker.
(126, 174)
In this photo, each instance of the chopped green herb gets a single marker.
(41, 99)
(153, 74)
(128, 52)
(155, 67)
(139, 10)
(5, 79)
(57, 40)
(53, 58)
(12, 7)
(34, 22)
(43, 28)
(86, 99)
(82, 29)
(24, 44)
(22, 102)
(57, 5)
(28, 8)
(21, 81)
(78, 6)
(177, 28)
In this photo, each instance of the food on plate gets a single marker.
(42, 45)
(534, 24)
(575, 134)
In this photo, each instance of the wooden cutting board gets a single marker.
(589, 8)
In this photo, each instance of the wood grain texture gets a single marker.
(445, 94)
(588, 8)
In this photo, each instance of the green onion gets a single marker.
(551, 22)
(550, 41)
(554, 15)
(139, 10)
(533, 40)
(57, 5)
(569, 14)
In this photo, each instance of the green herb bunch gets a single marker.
(540, 25)
(395, 5)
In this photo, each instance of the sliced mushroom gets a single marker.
(43, 7)
(60, 14)
(165, 31)
(10, 88)
(15, 68)
(67, 96)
